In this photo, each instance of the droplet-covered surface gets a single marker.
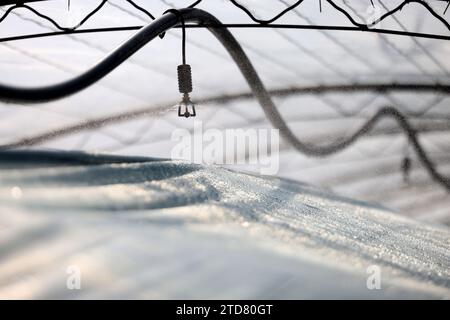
(152, 228)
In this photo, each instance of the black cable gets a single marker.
(390, 13)
(78, 25)
(268, 21)
(141, 9)
(233, 26)
(52, 21)
(193, 5)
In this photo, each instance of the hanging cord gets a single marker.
(183, 32)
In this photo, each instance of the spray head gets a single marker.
(186, 108)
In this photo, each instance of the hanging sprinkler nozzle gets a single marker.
(185, 108)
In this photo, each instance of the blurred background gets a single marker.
(129, 111)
